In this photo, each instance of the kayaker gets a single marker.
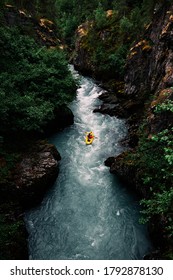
(90, 136)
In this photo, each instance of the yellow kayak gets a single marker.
(88, 140)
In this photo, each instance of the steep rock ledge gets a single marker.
(36, 172)
(81, 57)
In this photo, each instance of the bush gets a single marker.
(154, 160)
(100, 18)
(34, 82)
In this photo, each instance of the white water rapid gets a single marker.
(88, 213)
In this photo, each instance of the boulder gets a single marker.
(63, 118)
(35, 173)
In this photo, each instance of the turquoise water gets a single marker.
(87, 214)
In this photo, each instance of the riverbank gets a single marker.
(26, 183)
(36, 88)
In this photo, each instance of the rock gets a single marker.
(109, 161)
(63, 118)
(107, 97)
(126, 169)
(27, 183)
(43, 30)
(111, 109)
(81, 58)
(35, 173)
(149, 71)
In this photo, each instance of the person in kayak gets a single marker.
(90, 135)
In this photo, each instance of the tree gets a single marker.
(34, 82)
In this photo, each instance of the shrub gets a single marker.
(154, 159)
(33, 81)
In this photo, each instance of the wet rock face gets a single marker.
(127, 171)
(149, 66)
(36, 172)
(81, 59)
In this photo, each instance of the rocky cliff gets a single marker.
(149, 77)
(146, 101)
(97, 49)
(42, 30)
(149, 94)
(35, 170)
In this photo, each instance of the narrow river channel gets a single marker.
(88, 213)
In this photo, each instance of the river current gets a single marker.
(88, 214)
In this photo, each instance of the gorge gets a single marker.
(88, 214)
(127, 47)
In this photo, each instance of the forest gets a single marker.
(25, 92)
(36, 82)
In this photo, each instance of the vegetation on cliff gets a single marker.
(38, 8)
(108, 29)
(153, 160)
(36, 87)
(35, 84)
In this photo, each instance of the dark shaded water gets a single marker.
(87, 214)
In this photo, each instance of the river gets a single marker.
(88, 213)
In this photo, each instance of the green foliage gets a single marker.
(117, 60)
(68, 27)
(7, 163)
(39, 8)
(100, 18)
(125, 25)
(120, 6)
(165, 106)
(160, 203)
(154, 160)
(12, 233)
(72, 13)
(110, 36)
(8, 231)
(33, 81)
